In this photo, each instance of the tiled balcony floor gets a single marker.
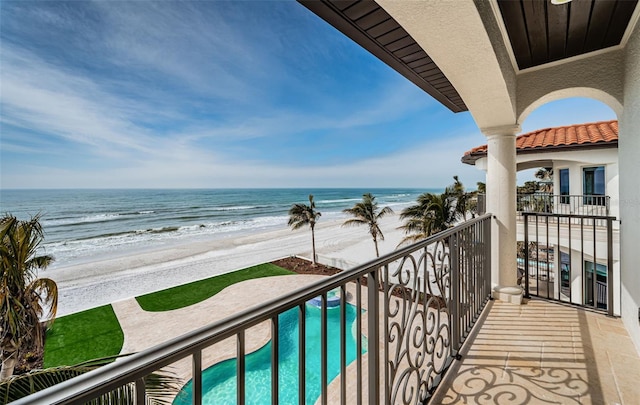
(544, 353)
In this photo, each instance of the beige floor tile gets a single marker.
(545, 353)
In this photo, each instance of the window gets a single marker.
(593, 185)
(564, 186)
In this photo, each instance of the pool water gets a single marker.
(219, 380)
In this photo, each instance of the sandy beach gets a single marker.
(102, 282)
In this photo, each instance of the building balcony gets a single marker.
(591, 205)
(415, 326)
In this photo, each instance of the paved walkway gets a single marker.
(545, 353)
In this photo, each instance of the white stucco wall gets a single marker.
(474, 68)
(599, 77)
(575, 161)
(629, 162)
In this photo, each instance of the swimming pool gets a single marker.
(219, 380)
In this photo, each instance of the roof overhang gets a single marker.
(423, 40)
(369, 25)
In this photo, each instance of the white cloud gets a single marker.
(429, 165)
(188, 85)
(39, 97)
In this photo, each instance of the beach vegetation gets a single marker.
(366, 212)
(302, 215)
(25, 299)
(545, 175)
(463, 199)
(435, 213)
(191, 293)
(431, 214)
(90, 334)
(543, 184)
(160, 387)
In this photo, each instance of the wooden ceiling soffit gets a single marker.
(541, 32)
(366, 23)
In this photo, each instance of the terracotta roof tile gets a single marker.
(587, 135)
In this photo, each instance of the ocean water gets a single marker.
(85, 225)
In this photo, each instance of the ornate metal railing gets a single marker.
(415, 307)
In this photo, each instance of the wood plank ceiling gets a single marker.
(365, 22)
(541, 32)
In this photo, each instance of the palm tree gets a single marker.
(545, 175)
(433, 213)
(23, 296)
(366, 213)
(478, 198)
(301, 215)
(463, 199)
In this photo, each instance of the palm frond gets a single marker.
(23, 297)
(160, 387)
(354, 222)
(410, 239)
(47, 291)
(20, 386)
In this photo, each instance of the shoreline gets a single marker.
(106, 280)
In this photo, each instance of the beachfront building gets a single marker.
(584, 162)
(499, 60)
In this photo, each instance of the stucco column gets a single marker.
(501, 202)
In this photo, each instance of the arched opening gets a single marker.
(559, 111)
(568, 182)
(566, 95)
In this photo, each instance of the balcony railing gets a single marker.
(415, 307)
(595, 205)
(571, 258)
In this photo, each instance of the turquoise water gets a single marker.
(219, 380)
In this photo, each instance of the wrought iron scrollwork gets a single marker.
(418, 330)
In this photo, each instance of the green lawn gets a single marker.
(83, 336)
(96, 333)
(192, 293)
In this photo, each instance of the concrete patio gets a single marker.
(544, 353)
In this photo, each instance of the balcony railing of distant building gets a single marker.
(570, 258)
(415, 307)
(593, 205)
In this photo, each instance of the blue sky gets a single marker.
(218, 94)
